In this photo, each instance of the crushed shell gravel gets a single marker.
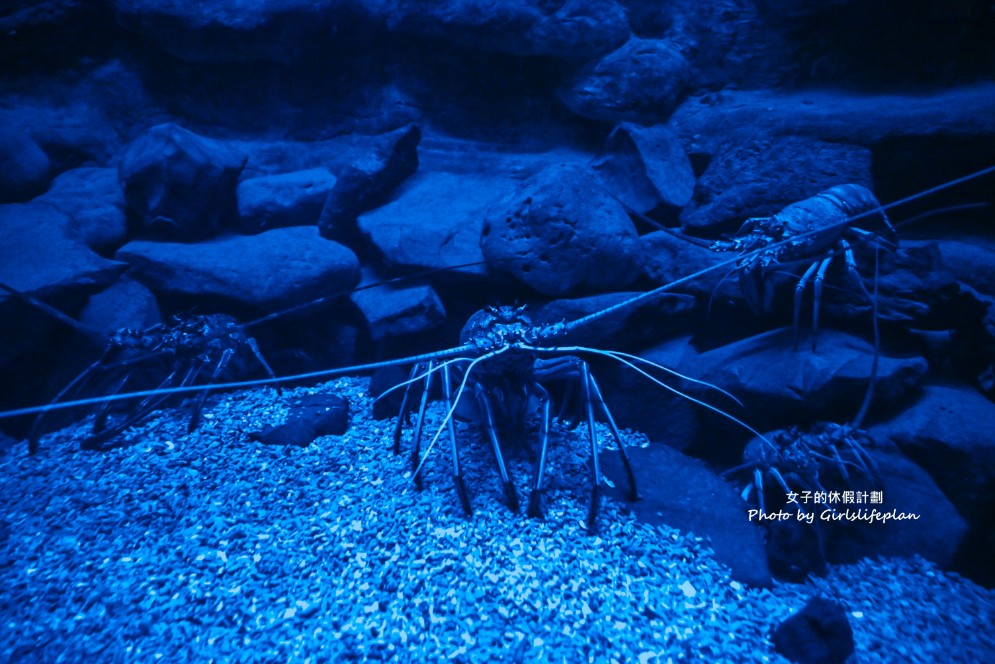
(211, 547)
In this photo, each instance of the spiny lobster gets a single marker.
(502, 353)
(807, 234)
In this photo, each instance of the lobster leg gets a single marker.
(416, 450)
(799, 292)
(603, 407)
(457, 471)
(535, 500)
(592, 513)
(254, 347)
(485, 406)
(146, 406)
(202, 397)
(402, 416)
(74, 385)
(820, 276)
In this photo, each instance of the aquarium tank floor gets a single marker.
(210, 546)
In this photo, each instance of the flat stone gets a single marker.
(646, 167)
(780, 385)
(287, 199)
(269, 271)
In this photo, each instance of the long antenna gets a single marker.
(191, 389)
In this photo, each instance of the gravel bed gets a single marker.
(211, 547)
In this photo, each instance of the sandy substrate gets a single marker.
(212, 547)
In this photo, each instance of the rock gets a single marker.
(948, 433)
(233, 31)
(760, 177)
(435, 220)
(288, 199)
(642, 82)
(683, 493)
(124, 304)
(818, 634)
(7, 444)
(78, 119)
(799, 8)
(668, 258)
(93, 200)
(780, 385)
(180, 185)
(708, 123)
(970, 259)
(569, 30)
(394, 310)
(936, 535)
(25, 170)
(367, 182)
(638, 403)
(269, 271)
(559, 232)
(41, 257)
(311, 416)
(646, 167)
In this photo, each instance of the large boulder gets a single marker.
(25, 170)
(760, 177)
(93, 200)
(948, 432)
(42, 257)
(569, 30)
(124, 304)
(435, 220)
(231, 30)
(643, 82)
(265, 272)
(683, 493)
(180, 185)
(560, 232)
(707, 124)
(397, 309)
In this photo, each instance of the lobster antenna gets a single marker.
(632, 212)
(258, 382)
(659, 382)
(100, 339)
(872, 381)
(573, 325)
(333, 296)
(943, 210)
(421, 376)
(64, 318)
